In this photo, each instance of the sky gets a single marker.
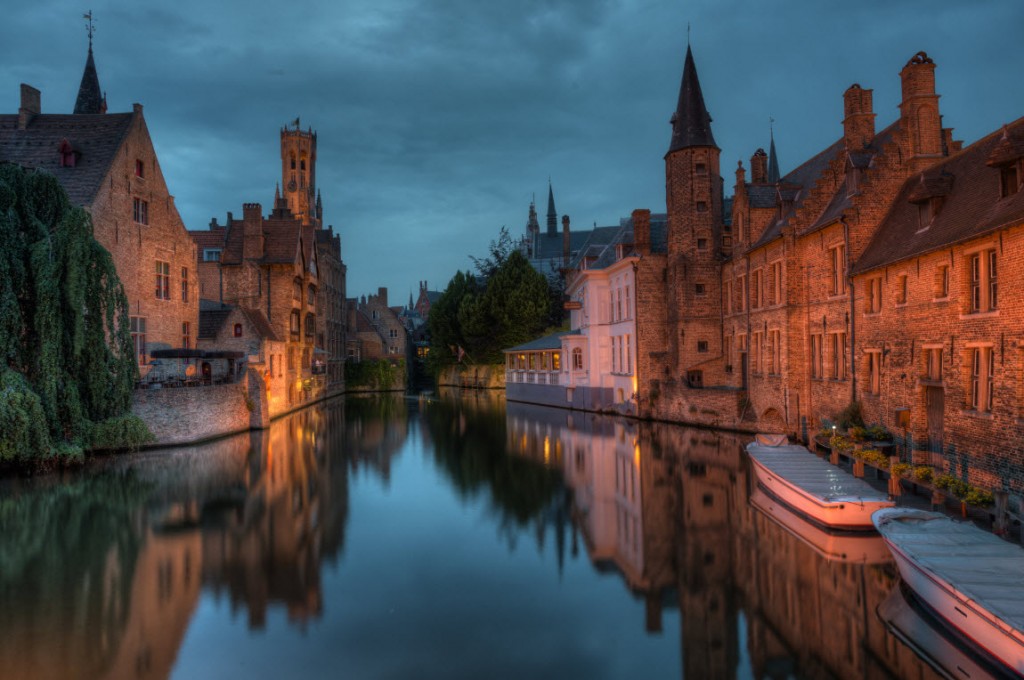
(439, 121)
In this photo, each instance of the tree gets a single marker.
(446, 333)
(499, 249)
(64, 339)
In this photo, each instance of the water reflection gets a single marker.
(102, 574)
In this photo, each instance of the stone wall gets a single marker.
(192, 414)
(482, 376)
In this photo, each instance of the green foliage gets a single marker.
(878, 433)
(63, 319)
(857, 433)
(378, 375)
(850, 416)
(944, 481)
(120, 432)
(923, 473)
(22, 420)
(979, 497)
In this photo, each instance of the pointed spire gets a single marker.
(691, 123)
(90, 97)
(773, 162)
(277, 193)
(552, 215)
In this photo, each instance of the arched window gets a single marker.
(293, 161)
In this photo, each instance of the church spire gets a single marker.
(552, 215)
(691, 123)
(90, 97)
(773, 162)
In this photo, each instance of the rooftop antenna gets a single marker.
(687, 33)
(90, 28)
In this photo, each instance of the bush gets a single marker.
(874, 457)
(120, 432)
(23, 432)
(902, 470)
(944, 481)
(840, 444)
(979, 497)
(857, 433)
(923, 473)
(879, 433)
(850, 416)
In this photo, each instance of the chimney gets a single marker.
(382, 296)
(858, 118)
(919, 110)
(759, 167)
(252, 221)
(642, 231)
(30, 106)
(566, 240)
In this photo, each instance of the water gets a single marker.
(445, 538)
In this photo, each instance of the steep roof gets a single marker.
(260, 324)
(90, 97)
(691, 123)
(95, 139)
(212, 316)
(971, 205)
(773, 162)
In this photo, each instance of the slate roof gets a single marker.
(260, 324)
(549, 246)
(553, 341)
(971, 208)
(96, 138)
(761, 195)
(212, 316)
(691, 123)
(208, 238)
(90, 97)
(597, 245)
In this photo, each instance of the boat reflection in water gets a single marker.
(859, 548)
(760, 592)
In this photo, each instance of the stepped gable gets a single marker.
(970, 208)
(95, 140)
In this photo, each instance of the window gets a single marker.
(839, 362)
(293, 325)
(1008, 181)
(297, 290)
(556, 361)
(163, 280)
(701, 169)
(837, 265)
(184, 284)
(629, 310)
(291, 359)
(629, 354)
(186, 335)
(618, 304)
(982, 369)
(695, 379)
(392, 333)
(702, 206)
(699, 289)
(942, 282)
(755, 351)
(702, 345)
(741, 283)
(926, 212)
(211, 254)
(137, 324)
(756, 290)
(237, 331)
(774, 352)
(873, 296)
(728, 297)
(775, 274)
(140, 211)
(727, 353)
(816, 362)
(983, 281)
(311, 295)
(874, 357)
(933, 363)
(577, 359)
(901, 289)
(702, 244)
(739, 227)
(310, 325)
(140, 169)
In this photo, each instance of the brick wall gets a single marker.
(183, 415)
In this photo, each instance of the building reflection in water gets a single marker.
(669, 507)
(100, 573)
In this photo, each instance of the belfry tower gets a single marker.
(298, 173)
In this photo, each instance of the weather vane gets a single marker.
(687, 33)
(89, 27)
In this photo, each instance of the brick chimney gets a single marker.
(759, 167)
(382, 296)
(566, 240)
(252, 221)
(30, 106)
(642, 231)
(858, 118)
(919, 110)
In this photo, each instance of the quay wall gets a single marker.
(482, 376)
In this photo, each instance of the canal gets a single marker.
(453, 537)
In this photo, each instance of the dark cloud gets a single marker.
(438, 120)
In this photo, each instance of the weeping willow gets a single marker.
(66, 349)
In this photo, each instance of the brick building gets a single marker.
(377, 329)
(107, 164)
(880, 270)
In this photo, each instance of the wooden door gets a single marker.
(935, 403)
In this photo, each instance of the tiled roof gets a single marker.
(260, 324)
(972, 208)
(208, 238)
(691, 123)
(95, 138)
(761, 195)
(550, 246)
(553, 341)
(212, 320)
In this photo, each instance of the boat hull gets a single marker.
(846, 514)
(970, 618)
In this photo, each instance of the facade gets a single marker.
(378, 330)
(108, 166)
(550, 251)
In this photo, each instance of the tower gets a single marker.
(90, 98)
(552, 214)
(298, 172)
(693, 192)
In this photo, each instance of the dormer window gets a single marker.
(926, 212)
(1009, 180)
(140, 169)
(68, 157)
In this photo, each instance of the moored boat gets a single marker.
(971, 579)
(815, 488)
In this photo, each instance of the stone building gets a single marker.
(551, 250)
(107, 164)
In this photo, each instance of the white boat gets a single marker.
(934, 642)
(815, 488)
(969, 578)
(853, 548)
